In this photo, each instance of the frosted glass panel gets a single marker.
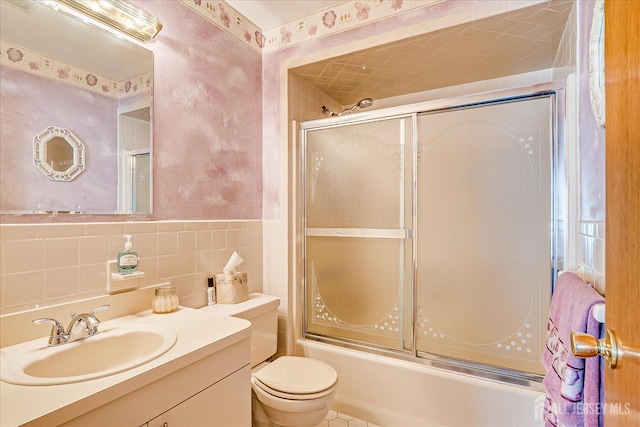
(358, 256)
(484, 230)
(355, 287)
(355, 175)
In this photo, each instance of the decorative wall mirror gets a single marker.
(57, 70)
(58, 154)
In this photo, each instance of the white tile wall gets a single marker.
(135, 133)
(46, 264)
(306, 101)
(275, 274)
(590, 253)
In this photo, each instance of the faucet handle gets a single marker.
(57, 330)
(102, 307)
(93, 312)
(92, 322)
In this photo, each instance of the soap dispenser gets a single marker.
(127, 258)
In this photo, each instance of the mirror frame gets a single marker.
(40, 154)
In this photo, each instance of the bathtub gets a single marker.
(397, 393)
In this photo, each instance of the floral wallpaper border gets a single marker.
(17, 57)
(342, 17)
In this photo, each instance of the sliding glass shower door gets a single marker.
(484, 232)
(436, 233)
(358, 220)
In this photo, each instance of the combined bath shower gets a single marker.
(363, 103)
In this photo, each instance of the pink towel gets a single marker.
(573, 384)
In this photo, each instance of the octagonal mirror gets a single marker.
(58, 154)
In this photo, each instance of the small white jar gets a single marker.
(165, 300)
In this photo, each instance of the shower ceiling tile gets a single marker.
(515, 42)
(499, 26)
(402, 48)
(322, 80)
(360, 58)
(314, 69)
(523, 15)
(481, 35)
(542, 33)
(523, 28)
(551, 18)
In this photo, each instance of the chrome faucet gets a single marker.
(82, 326)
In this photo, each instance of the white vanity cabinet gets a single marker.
(213, 391)
(221, 405)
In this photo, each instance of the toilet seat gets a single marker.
(296, 378)
(290, 396)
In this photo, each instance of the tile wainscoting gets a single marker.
(48, 264)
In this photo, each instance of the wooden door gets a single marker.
(622, 74)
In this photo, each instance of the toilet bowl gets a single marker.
(290, 391)
(295, 391)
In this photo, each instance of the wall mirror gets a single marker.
(58, 154)
(63, 73)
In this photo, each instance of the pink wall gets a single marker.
(207, 119)
(31, 104)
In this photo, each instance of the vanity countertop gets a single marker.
(200, 334)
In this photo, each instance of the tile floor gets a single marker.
(334, 419)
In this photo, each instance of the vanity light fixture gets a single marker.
(111, 15)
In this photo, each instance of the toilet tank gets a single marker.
(262, 311)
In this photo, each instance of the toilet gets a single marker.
(290, 391)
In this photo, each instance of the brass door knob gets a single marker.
(585, 345)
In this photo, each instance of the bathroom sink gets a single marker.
(114, 349)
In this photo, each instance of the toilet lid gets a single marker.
(297, 375)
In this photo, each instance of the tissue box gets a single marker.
(231, 288)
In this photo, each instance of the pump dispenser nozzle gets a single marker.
(128, 244)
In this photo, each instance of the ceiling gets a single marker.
(516, 42)
(272, 13)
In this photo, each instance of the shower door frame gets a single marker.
(407, 296)
(556, 90)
